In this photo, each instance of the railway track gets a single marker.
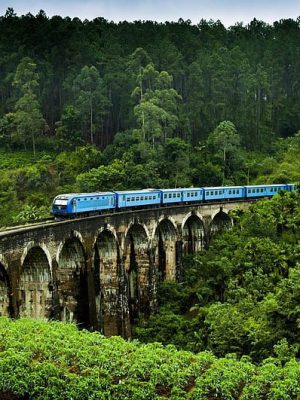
(27, 224)
(52, 220)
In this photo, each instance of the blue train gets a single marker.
(82, 204)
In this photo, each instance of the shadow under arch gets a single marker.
(164, 243)
(35, 292)
(106, 280)
(5, 293)
(221, 221)
(193, 234)
(72, 304)
(136, 262)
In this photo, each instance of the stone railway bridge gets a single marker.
(102, 271)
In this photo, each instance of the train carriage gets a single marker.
(171, 196)
(138, 198)
(264, 190)
(223, 193)
(82, 203)
(192, 194)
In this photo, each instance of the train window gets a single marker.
(142, 198)
(137, 199)
(261, 190)
(178, 194)
(188, 194)
(85, 198)
(174, 195)
(229, 191)
(165, 195)
(97, 198)
(238, 192)
(146, 197)
(124, 197)
(128, 199)
(192, 194)
(220, 191)
(154, 197)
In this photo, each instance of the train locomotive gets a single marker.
(83, 204)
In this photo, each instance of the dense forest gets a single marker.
(98, 105)
(242, 294)
(84, 81)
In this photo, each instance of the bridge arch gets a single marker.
(106, 279)
(164, 245)
(74, 234)
(35, 289)
(71, 281)
(31, 245)
(136, 262)
(193, 232)
(5, 289)
(220, 220)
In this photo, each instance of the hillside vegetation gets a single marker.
(55, 361)
(242, 294)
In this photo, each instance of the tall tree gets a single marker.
(27, 117)
(157, 108)
(91, 101)
(224, 147)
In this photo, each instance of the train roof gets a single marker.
(181, 189)
(268, 185)
(222, 187)
(70, 195)
(142, 191)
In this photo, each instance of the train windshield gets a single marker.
(61, 202)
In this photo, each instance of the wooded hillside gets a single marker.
(84, 81)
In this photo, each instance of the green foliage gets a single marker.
(27, 120)
(54, 361)
(110, 177)
(224, 149)
(114, 77)
(241, 295)
(32, 213)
